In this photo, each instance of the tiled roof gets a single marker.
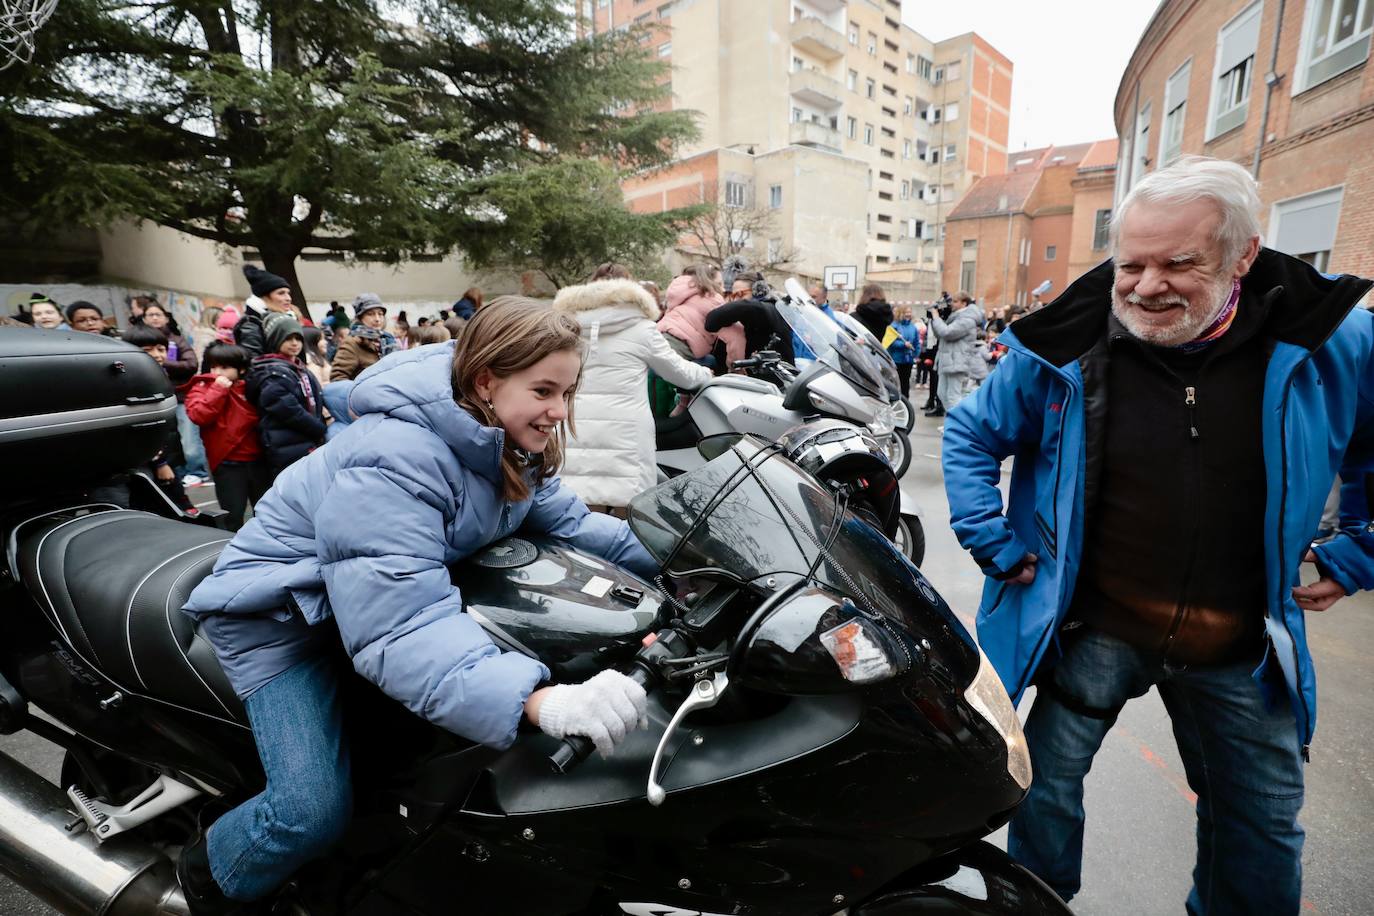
(996, 194)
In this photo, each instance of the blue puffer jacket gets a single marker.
(1318, 405)
(910, 335)
(362, 528)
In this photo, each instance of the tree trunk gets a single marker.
(282, 262)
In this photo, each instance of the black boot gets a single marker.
(203, 896)
(936, 411)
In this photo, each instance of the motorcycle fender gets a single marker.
(979, 879)
(909, 506)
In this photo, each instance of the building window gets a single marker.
(775, 196)
(907, 104)
(882, 258)
(906, 149)
(953, 71)
(889, 133)
(947, 192)
(951, 153)
(968, 265)
(889, 90)
(1050, 252)
(935, 156)
(1175, 112)
(1142, 144)
(854, 34)
(911, 63)
(665, 49)
(853, 80)
(852, 127)
(952, 111)
(883, 217)
(932, 194)
(906, 189)
(870, 88)
(1234, 71)
(868, 135)
(735, 193)
(924, 67)
(872, 44)
(935, 114)
(665, 10)
(885, 176)
(1102, 227)
(1305, 227)
(1337, 37)
(939, 75)
(884, 195)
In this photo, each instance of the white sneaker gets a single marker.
(191, 480)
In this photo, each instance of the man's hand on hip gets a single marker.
(1023, 573)
(1321, 594)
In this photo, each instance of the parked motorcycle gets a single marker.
(824, 735)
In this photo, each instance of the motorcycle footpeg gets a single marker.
(704, 695)
(106, 820)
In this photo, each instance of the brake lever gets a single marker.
(704, 695)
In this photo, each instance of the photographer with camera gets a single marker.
(957, 329)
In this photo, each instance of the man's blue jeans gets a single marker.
(1243, 761)
(308, 802)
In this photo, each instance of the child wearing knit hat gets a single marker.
(286, 395)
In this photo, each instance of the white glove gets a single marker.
(603, 708)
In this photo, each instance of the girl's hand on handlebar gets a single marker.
(604, 709)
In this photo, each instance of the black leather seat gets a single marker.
(113, 582)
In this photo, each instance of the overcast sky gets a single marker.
(1067, 55)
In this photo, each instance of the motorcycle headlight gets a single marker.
(987, 695)
(882, 423)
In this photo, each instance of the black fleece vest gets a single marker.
(1173, 560)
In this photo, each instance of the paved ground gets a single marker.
(1140, 830)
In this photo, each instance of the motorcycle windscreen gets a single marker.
(750, 513)
(833, 346)
(872, 349)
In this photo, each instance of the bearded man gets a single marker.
(1178, 416)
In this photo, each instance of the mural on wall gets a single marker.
(114, 302)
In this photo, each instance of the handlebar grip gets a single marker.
(576, 748)
(573, 750)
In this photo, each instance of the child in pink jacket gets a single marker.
(690, 298)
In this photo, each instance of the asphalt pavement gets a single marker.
(1139, 844)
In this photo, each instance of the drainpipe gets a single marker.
(1272, 79)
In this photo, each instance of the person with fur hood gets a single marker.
(958, 360)
(610, 457)
(690, 298)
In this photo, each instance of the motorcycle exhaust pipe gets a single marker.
(46, 849)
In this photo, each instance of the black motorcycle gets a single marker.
(824, 736)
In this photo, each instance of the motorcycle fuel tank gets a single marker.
(574, 612)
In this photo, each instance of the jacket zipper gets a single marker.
(1283, 511)
(1181, 610)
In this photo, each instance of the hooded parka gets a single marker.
(363, 530)
(1045, 404)
(611, 459)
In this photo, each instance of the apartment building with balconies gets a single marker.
(826, 106)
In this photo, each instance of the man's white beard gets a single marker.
(1191, 322)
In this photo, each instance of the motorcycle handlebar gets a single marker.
(576, 748)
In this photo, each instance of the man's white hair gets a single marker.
(1191, 178)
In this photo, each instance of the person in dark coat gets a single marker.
(873, 311)
(763, 327)
(467, 306)
(271, 294)
(286, 395)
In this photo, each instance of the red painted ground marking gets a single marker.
(1179, 783)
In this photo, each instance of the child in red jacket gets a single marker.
(229, 428)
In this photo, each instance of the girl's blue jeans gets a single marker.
(308, 802)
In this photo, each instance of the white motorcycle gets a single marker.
(840, 384)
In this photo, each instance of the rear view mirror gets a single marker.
(714, 446)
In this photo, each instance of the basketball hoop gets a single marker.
(19, 20)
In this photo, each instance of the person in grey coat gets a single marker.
(958, 358)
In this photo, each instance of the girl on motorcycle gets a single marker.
(454, 447)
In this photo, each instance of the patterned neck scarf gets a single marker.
(1219, 326)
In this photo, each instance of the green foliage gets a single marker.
(564, 218)
(350, 125)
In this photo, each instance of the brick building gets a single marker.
(856, 130)
(1281, 88)
(1045, 220)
